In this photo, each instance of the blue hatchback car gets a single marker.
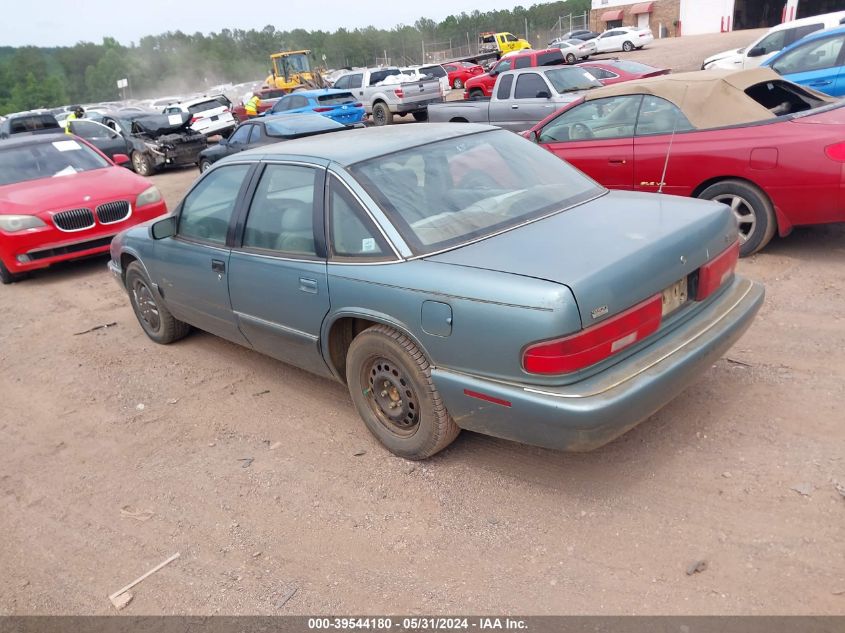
(815, 61)
(338, 105)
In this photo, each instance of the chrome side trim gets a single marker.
(276, 326)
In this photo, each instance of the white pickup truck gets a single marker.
(384, 99)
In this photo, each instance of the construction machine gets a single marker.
(291, 70)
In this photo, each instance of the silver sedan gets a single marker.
(575, 50)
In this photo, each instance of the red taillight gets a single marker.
(400, 94)
(194, 119)
(595, 343)
(715, 272)
(322, 109)
(644, 34)
(836, 152)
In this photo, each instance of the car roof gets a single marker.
(352, 146)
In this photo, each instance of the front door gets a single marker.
(526, 108)
(598, 138)
(663, 163)
(277, 273)
(104, 139)
(193, 266)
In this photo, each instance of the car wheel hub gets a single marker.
(392, 397)
(147, 307)
(743, 211)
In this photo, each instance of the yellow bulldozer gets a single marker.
(291, 70)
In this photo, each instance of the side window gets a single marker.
(282, 104)
(208, 209)
(355, 81)
(343, 82)
(613, 117)
(241, 135)
(255, 136)
(659, 116)
(90, 130)
(529, 85)
(281, 216)
(551, 58)
(771, 43)
(815, 55)
(351, 232)
(510, 38)
(503, 66)
(522, 62)
(793, 35)
(504, 90)
(297, 102)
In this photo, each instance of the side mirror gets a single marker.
(120, 159)
(534, 136)
(164, 228)
(544, 94)
(757, 51)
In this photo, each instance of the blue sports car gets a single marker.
(448, 285)
(816, 61)
(338, 105)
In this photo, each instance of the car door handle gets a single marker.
(616, 161)
(514, 107)
(308, 285)
(218, 266)
(820, 83)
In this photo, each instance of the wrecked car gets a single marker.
(157, 140)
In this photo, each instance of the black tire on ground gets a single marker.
(390, 384)
(155, 319)
(457, 84)
(204, 165)
(382, 115)
(476, 93)
(420, 116)
(627, 47)
(570, 58)
(752, 208)
(141, 164)
(6, 277)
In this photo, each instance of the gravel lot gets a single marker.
(119, 453)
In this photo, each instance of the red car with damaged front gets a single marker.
(61, 199)
(460, 72)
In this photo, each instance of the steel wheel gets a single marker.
(147, 308)
(744, 212)
(391, 396)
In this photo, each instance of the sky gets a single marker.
(63, 23)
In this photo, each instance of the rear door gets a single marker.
(277, 280)
(598, 138)
(193, 266)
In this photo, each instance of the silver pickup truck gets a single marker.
(386, 100)
(520, 98)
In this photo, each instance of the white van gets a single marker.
(775, 39)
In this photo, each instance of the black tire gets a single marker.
(382, 358)
(570, 59)
(204, 165)
(476, 93)
(382, 115)
(142, 164)
(627, 47)
(6, 277)
(752, 208)
(420, 116)
(155, 319)
(457, 84)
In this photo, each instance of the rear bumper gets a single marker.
(591, 413)
(417, 106)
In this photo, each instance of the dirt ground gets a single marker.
(118, 453)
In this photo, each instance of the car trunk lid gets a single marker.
(612, 252)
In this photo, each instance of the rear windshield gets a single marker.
(632, 67)
(47, 160)
(434, 71)
(569, 79)
(381, 75)
(32, 123)
(336, 99)
(204, 106)
(550, 58)
(449, 192)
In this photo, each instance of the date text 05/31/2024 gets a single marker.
(416, 624)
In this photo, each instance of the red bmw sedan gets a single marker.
(62, 199)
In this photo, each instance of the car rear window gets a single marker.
(47, 160)
(381, 75)
(434, 71)
(550, 58)
(204, 106)
(32, 123)
(336, 99)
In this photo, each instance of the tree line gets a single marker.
(177, 62)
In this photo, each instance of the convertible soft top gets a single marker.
(708, 98)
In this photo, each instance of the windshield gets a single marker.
(569, 79)
(298, 63)
(449, 192)
(47, 160)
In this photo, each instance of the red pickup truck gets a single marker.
(482, 85)
(268, 97)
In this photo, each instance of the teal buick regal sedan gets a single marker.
(454, 277)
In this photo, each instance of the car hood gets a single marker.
(725, 56)
(613, 252)
(70, 192)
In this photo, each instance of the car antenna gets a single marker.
(671, 140)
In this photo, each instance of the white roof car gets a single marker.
(772, 41)
(623, 38)
(210, 114)
(573, 50)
